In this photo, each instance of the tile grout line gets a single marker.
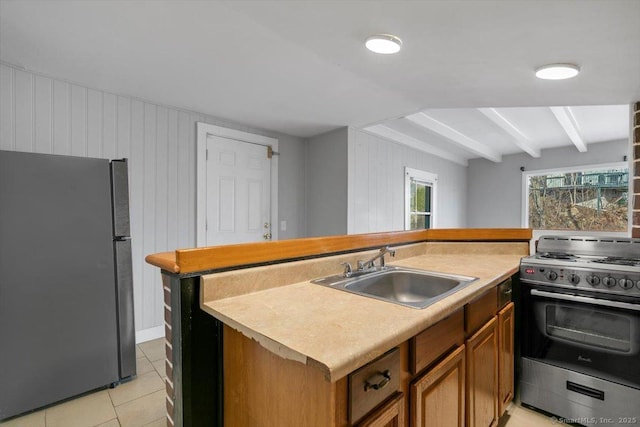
(141, 396)
(137, 377)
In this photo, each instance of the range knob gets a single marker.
(574, 279)
(552, 275)
(625, 283)
(593, 280)
(609, 281)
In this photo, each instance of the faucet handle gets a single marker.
(347, 269)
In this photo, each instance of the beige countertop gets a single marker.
(336, 331)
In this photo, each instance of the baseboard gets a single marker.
(149, 334)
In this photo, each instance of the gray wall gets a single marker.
(326, 183)
(495, 189)
(46, 115)
(291, 186)
(376, 184)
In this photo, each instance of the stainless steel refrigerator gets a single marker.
(66, 295)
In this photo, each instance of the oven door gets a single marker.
(582, 332)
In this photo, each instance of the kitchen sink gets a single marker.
(405, 286)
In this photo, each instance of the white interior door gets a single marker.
(238, 190)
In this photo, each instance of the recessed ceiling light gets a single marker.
(383, 43)
(557, 71)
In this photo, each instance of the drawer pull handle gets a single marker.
(374, 381)
(507, 292)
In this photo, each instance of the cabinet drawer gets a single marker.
(373, 383)
(505, 289)
(430, 344)
(479, 311)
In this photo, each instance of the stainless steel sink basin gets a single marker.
(405, 286)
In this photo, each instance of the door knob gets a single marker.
(267, 225)
(267, 236)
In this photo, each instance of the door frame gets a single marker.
(203, 131)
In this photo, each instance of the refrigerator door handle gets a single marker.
(124, 305)
(120, 197)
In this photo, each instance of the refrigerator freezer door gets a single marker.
(126, 328)
(120, 198)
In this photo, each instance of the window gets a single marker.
(591, 198)
(420, 193)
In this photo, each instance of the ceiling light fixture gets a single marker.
(383, 43)
(557, 71)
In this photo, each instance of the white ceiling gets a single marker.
(460, 134)
(300, 67)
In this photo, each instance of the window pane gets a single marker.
(592, 200)
(427, 199)
(413, 196)
(420, 198)
(419, 206)
(420, 221)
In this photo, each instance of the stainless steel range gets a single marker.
(580, 338)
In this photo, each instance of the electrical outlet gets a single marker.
(283, 225)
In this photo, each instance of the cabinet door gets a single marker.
(482, 376)
(437, 398)
(505, 357)
(391, 414)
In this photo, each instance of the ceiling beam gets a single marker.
(519, 138)
(469, 144)
(409, 141)
(567, 120)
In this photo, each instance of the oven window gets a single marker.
(589, 327)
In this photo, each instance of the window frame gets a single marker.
(428, 178)
(524, 217)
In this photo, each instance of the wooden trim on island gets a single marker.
(184, 261)
(479, 235)
(164, 260)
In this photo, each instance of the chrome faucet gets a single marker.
(347, 269)
(368, 265)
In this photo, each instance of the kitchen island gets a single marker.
(284, 336)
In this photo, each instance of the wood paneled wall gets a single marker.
(376, 184)
(45, 115)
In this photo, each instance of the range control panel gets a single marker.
(623, 283)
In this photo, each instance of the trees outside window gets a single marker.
(590, 199)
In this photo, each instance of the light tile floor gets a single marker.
(519, 416)
(140, 402)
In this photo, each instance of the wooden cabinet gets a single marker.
(439, 380)
(438, 397)
(435, 341)
(505, 357)
(391, 414)
(263, 389)
(482, 376)
(479, 311)
(373, 383)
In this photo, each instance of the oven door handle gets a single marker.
(586, 300)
